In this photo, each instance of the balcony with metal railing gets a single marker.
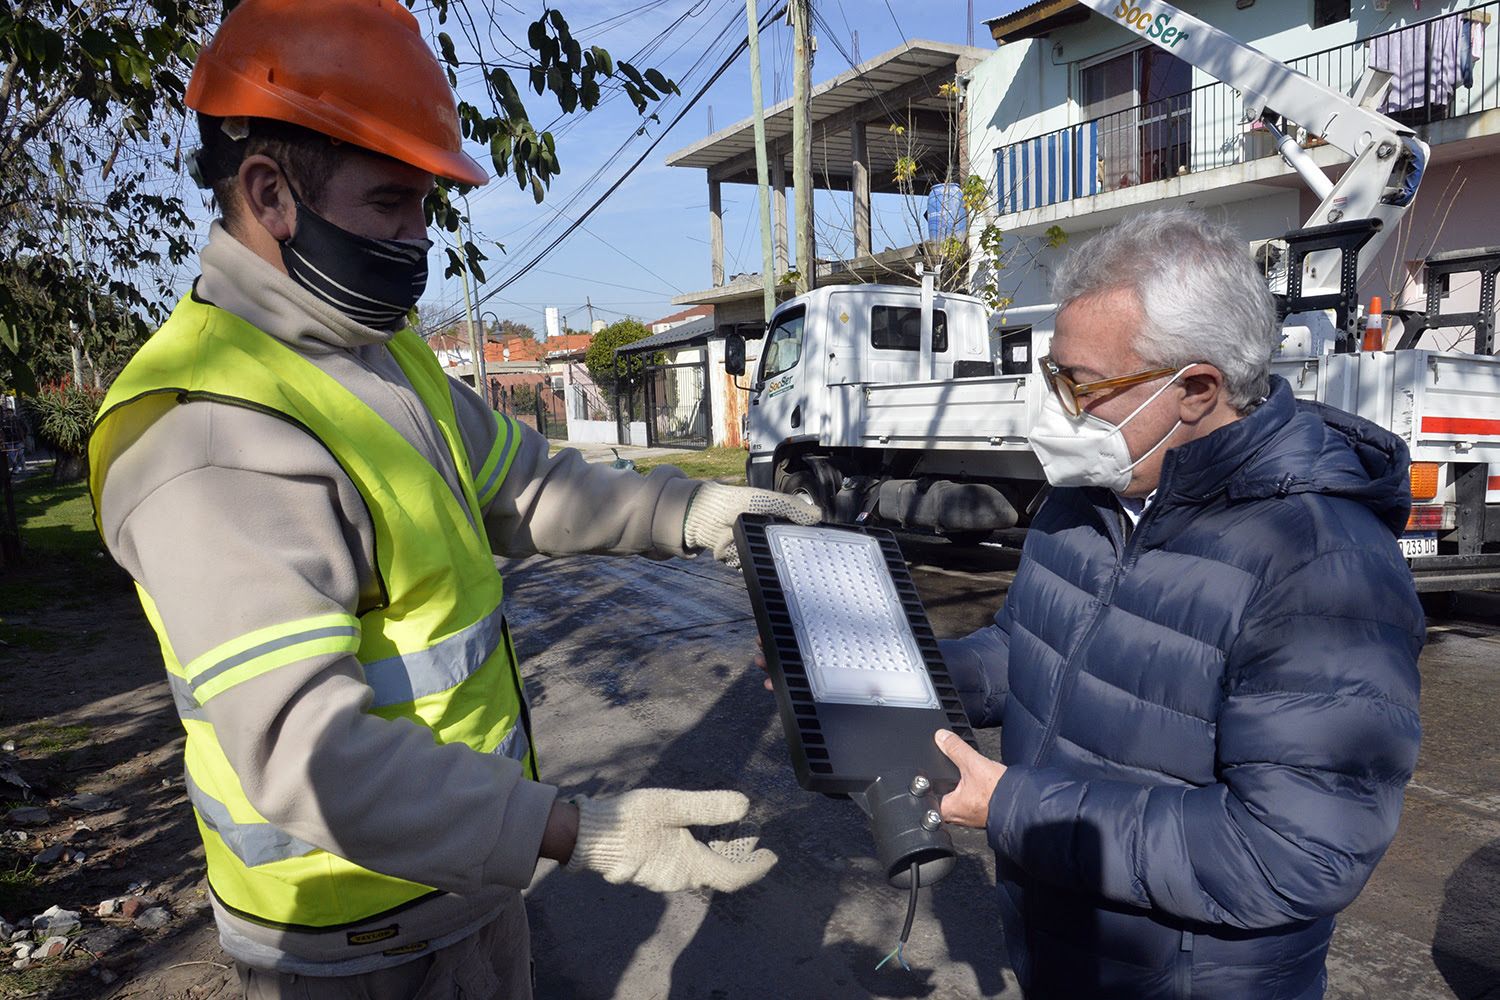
(1445, 69)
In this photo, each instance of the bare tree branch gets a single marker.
(26, 133)
(7, 84)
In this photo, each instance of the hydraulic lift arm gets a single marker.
(1389, 159)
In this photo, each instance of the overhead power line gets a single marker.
(613, 89)
(553, 245)
(542, 229)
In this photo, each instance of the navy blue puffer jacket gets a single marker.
(1209, 721)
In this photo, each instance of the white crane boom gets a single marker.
(1388, 157)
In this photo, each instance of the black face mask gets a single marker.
(373, 282)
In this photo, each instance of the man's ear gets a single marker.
(266, 197)
(1203, 388)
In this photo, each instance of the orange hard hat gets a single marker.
(356, 70)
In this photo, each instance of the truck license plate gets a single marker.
(1419, 543)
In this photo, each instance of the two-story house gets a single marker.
(1076, 122)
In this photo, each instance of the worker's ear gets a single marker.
(1203, 388)
(266, 196)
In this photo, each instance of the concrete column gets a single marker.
(778, 203)
(716, 231)
(860, 184)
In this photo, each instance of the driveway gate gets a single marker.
(551, 412)
(535, 403)
(677, 405)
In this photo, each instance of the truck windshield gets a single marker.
(783, 345)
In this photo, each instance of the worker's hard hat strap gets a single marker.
(373, 282)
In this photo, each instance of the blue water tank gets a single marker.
(945, 212)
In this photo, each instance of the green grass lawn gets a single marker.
(56, 518)
(725, 465)
(62, 562)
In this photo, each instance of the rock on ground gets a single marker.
(153, 918)
(28, 816)
(56, 920)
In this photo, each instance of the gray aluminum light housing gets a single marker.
(859, 680)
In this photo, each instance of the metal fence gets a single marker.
(12, 440)
(629, 407)
(552, 412)
(677, 405)
(536, 404)
(1444, 67)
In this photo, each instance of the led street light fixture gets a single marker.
(857, 646)
(859, 681)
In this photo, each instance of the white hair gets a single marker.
(1201, 296)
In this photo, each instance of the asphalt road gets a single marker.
(638, 673)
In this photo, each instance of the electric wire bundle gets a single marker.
(899, 952)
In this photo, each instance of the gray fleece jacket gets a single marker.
(234, 520)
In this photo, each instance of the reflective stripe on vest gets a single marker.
(437, 668)
(492, 472)
(253, 843)
(254, 653)
(435, 651)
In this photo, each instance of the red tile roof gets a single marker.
(692, 312)
(568, 343)
(521, 348)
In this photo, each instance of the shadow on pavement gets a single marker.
(1466, 946)
(790, 935)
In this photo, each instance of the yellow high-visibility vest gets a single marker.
(435, 650)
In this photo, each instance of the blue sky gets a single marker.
(649, 240)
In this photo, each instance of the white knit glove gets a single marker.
(642, 837)
(713, 508)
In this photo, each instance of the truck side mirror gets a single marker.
(734, 354)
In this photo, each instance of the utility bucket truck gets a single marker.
(892, 405)
(883, 403)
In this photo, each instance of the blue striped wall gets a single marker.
(1049, 169)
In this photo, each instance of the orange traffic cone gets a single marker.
(1374, 327)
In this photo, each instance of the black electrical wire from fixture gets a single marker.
(899, 952)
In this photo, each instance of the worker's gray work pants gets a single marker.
(492, 964)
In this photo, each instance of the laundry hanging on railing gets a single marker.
(1426, 61)
(1471, 44)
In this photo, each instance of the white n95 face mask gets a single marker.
(1086, 450)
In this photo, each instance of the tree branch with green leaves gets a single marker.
(94, 209)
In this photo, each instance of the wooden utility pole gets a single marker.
(802, 183)
(762, 171)
(476, 343)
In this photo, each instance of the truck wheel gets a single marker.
(805, 485)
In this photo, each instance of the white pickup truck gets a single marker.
(878, 409)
